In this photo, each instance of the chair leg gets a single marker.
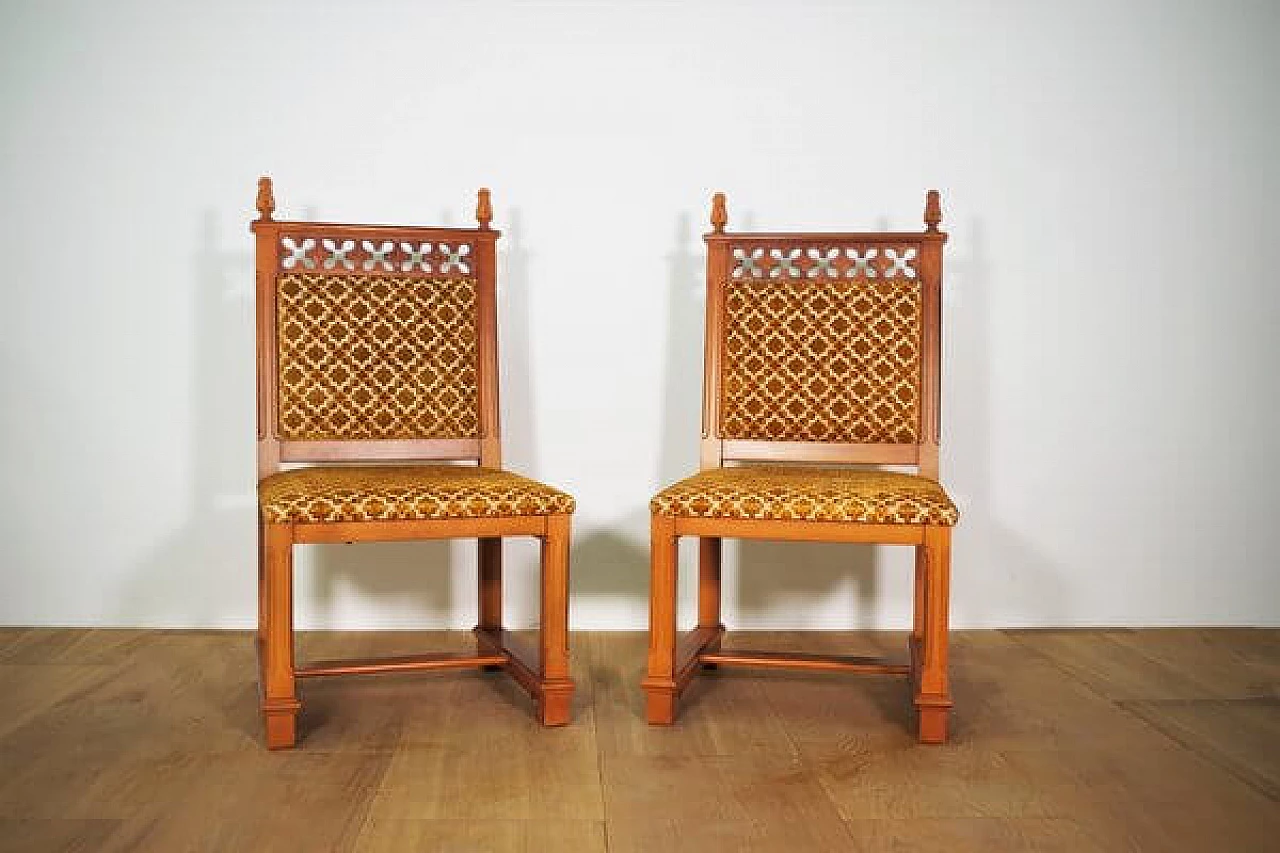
(933, 696)
(490, 582)
(556, 690)
(917, 624)
(709, 551)
(260, 638)
(915, 645)
(279, 697)
(659, 685)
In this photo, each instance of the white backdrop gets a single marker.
(1109, 179)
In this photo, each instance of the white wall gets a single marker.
(1109, 180)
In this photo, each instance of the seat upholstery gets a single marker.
(802, 493)
(404, 492)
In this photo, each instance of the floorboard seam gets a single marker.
(808, 765)
(595, 730)
(1208, 753)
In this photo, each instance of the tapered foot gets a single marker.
(933, 723)
(660, 706)
(555, 706)
(281, 729)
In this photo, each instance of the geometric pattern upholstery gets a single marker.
(403, 492)
(376, 357)
(814, 360)
(802, 493)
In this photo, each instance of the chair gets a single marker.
(822, 353)
(377, 359)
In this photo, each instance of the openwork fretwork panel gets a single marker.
(445, 258)
(376, 357)
(817, 357)
(824, 262)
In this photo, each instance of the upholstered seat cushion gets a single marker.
(400, 492)
(804, 493)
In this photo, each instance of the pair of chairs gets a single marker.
(377, 364)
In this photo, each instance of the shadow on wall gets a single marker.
(774, 582)
(186, 577)
(521, 555)
(184, 581)
(766, 576)
(612, 563)
(413, 580)
(987, 554)
(420, 579)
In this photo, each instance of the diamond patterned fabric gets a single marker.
(376, 357)
(801, 493)
(404, 492)
(813, 360)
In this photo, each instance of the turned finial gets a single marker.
(719, 214)
(932, 210)
(266, 200)
(484, 209)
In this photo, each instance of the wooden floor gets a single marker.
(1062, 741)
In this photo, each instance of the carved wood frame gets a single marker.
(675, 660)
(542, 671)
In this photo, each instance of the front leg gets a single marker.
(556, 689)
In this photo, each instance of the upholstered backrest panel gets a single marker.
(821, 359)
(376, 357)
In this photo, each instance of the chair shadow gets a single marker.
(759, 577)
(431, 584)
(202, 572)
(987, 554)
(400, 585)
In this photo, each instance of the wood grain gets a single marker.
(490, 836)
(154, 746)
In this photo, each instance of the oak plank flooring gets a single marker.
(489, 836)
(1242, 736)
(711, 836)
(1043, 835)
(718, 717)
(80, 836)
(1108, 740)
(27, 691)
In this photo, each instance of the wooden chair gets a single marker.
(378, 345)
(821, 348)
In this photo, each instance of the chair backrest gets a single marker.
(375, 342)
(823, 347)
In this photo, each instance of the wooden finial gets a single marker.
(484, 209)
(719, 214)
(266, 200)
(932, 210)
